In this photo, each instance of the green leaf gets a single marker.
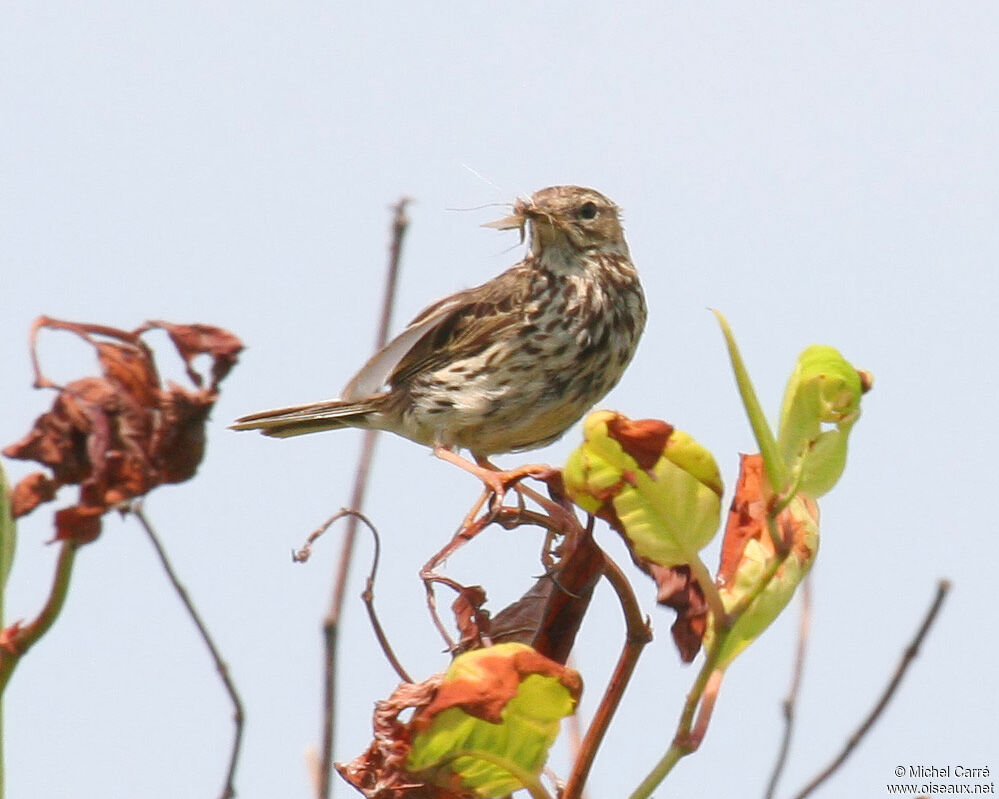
(821, 405)
(497, 714)
(775, 468)
(659, 488)
(800, 517)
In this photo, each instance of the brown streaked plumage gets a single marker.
(513, 363)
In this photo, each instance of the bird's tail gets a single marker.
(312, 418)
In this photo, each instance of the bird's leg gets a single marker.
(496, 480)
(511, 477)
(489, 475)
(563, 519)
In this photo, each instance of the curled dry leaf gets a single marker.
(548, 616)
(748, 551)
(120, 435)
(471, 617)
(194, 340)
(501, 704)
(679, 590)
(380, 772)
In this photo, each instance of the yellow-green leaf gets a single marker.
(821, 405)
(493, 721)
(658, 486)
(750, 585)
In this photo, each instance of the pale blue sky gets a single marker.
(819, 172)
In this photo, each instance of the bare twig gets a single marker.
(637, 635)
(684, 741)
(368, 595)
(705, 708)
(331, 622)
(907, 657)
(804, 626)
(302, 554)
(228, 787)
(574, 740)
(556, 520)
(17, 639)
(470, 528)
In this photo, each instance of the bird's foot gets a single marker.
(497, 481)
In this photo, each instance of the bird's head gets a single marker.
(566, 216)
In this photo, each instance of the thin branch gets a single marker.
(638, 634)
(368, 594)
(331, 622)
(684, 743)
(17, 640)
(705, 708)
(791, 700)
(557, 521)
(700, 700)
(943, 587)
(469, 529)
(574, 739)
(238, 715)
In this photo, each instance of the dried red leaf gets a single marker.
(547, 617)
(380, 772)
(31, 492)
(78, 523)
(178, 442)
(747, 519)
(130, 368)
(194, 340)
(469, 616)
(679, 590)
(500, 678)
(120, 435)
(643, 439)
(59, 437)
(747, 516)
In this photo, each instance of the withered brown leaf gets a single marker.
(747, 520)
(380, 771)
(678, 589)
(643, 439)
(471, 618)
(548, 616)
(119, 435)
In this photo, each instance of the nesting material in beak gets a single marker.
(516, 221)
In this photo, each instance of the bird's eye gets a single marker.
(587, 211)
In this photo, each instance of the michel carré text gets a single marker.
(929, 771)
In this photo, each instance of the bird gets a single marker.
(509, 365)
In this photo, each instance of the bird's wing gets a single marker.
(481, 316)
(376, 372)
(453, 327)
